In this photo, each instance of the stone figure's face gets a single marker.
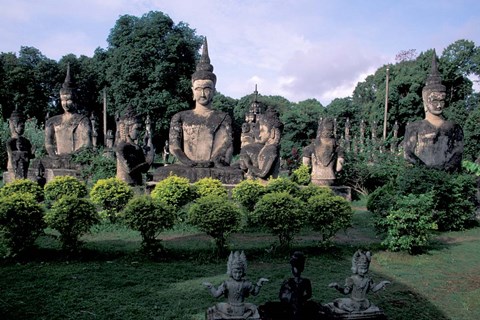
(237, 273)
(203, 91)
(17, 127)
(66, 100)
(435, 102)
(134, 131)
(264, 133)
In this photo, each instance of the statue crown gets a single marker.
(236, 260)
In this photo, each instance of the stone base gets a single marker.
(226, 175)
(8, 177)
(342, 191)
(372, 313)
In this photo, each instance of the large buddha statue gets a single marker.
(202, 137)
(68, 132)
(434, 142)
(200, 140)
(19, 148)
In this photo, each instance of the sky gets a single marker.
(298, 49)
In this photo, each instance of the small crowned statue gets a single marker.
(132, 159)
(235, 289)
(358, 285)
(19, 148)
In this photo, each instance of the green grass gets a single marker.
(111, 279)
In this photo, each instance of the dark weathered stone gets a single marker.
(260, 158)
(236, 289)
(434, 142)
(324, 155)
(226, 175)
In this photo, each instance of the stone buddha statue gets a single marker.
(261, 159)
(132, 159)
(324, 156)
(19, 148)
(202, 137)
(67, 133)
(434, 142)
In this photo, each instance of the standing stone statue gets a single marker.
(261, 159)
(70, 131)
(434, 142)
(235, 289)
(19, 148)
(132, 161)
(357, 285)
(325, 157)
(202, 137)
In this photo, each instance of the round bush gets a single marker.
(301, 175)
(112, 195)
(311, 190)
(216, 216)
(64, 186)
(209, 186)
(248, 192)
(21, 221)
(328, 214)
(175, 191)
(282, 185)
(282, 213)
(409, 228)
(149, 217)
(22, 186)
(71, 217)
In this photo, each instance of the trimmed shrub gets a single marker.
(150, 217)
(217, 216)
(61, 186)
(282, 185)
(22, 186)
(282, 214)
(112, 195)
(248, 192)
(301, 175)
(21, 222)
(311, 190)
(209, 186)
(328, 214)
(71, 217)
(175, 191)
(409, 228)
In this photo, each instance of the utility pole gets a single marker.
(105, 116)
(386, 108)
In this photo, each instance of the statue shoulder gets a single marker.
(52, 121)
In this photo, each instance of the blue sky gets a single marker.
(298, 49)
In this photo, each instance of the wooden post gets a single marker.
(386, 109)
(105, 116)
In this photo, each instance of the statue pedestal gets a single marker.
(342, 191)
(226, 175)
(372, 313)
(8, 177)
(61, 166)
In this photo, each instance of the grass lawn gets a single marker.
(110, 279)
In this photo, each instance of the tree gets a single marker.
(149, 63)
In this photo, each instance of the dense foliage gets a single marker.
(112, 195)
(22, 186)
(282, 214)
(21, 222)
(71, 217)
(328, 214)
(217, 216)
(209, 186)
(247, 193)
(175, 191)
(149, 217)
(62, 186)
